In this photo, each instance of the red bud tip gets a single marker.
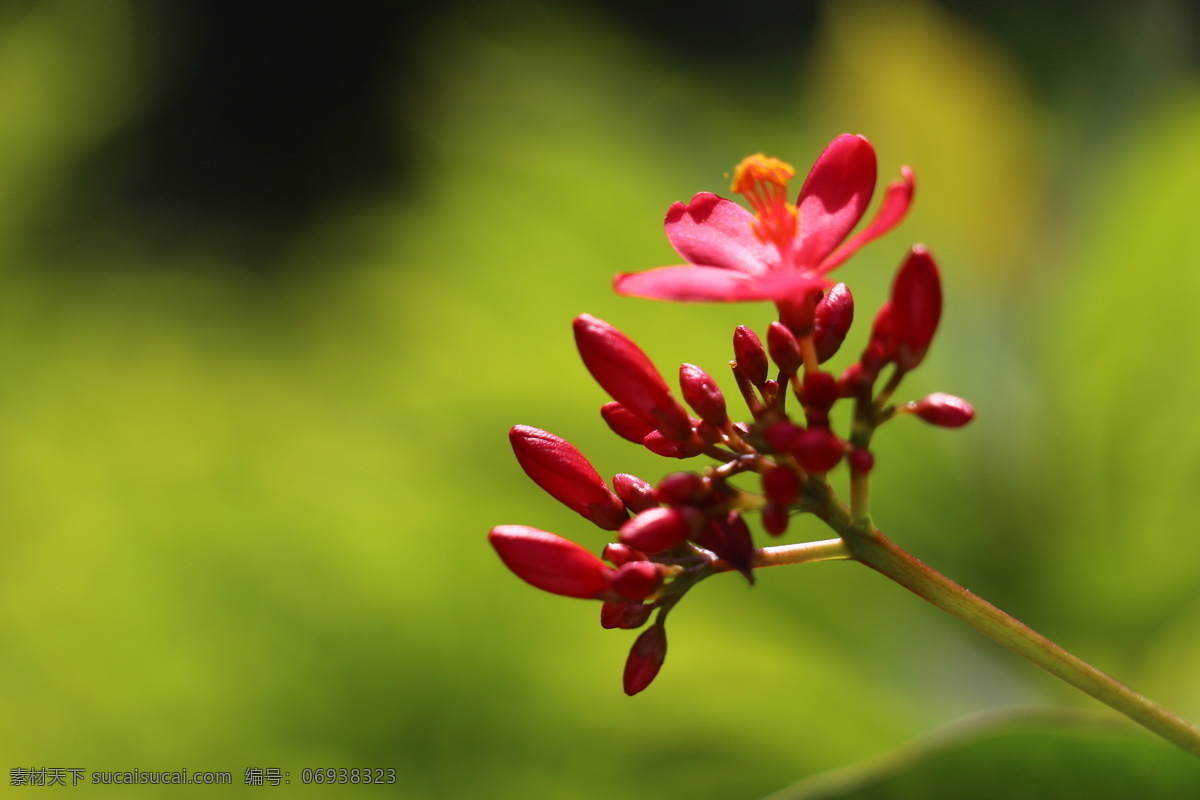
(835, 313)
(658, 443)
(659, 529)
(624, 615)
(645, 659)
(617, 554)
(629, 377)
(775, 519)
(881, 348)
(637, 580)
(750, 356)
(635, 493)
(624, 423)
(784, 349)
(551, 563)
(943, 410)
(701, 392)
(567, 476)
(916, 307)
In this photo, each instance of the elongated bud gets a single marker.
(629, 377)
(784, 349)
(943, 410)
(624, 615)
(635, 493)
(916, 307)
(701, 392)
(645, 659)
(659, 529)
(881, 347)
(625, 423)
(551, 563)
(728, 537)
(751, 358)
(835, 313)
(567, 476)
(637, 580)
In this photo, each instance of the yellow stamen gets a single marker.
(763, 182)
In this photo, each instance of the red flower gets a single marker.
(780, 252)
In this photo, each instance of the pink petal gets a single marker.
(714, 232)
(896, 200)
(834, 197)
(713, 285)
(690, 284)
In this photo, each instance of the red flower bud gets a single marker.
(852, 378)
(702, 394)
(784, 349)
(943, 410)
(624, 423)
(658, 443)
(645, 659)
(835, 313)
(637, 580)
(861, 460)
(567, 476)
(881, 348)
(781, 436)
(817, 449)
(550, 562)
(916, 307)
(681, 489)
(728, 537)
(629, 377)
(775, 519)
(659, 529)
(635, 493)
(820, 390)
(617, 554)
(781, 485)
(751, 358)
(624, 615)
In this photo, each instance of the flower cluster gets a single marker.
(693, 523)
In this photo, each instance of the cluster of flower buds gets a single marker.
(692, 524)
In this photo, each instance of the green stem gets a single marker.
(879, 553)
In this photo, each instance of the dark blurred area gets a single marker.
(263, 117)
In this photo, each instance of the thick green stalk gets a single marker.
(878, 552)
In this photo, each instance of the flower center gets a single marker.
(763, 182)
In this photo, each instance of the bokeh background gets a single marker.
(275, 279)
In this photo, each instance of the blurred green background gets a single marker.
(275, 279)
